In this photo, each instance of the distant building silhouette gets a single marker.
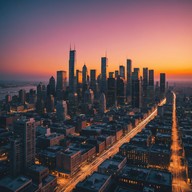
(51, 86)
(136, 89)
(61, 83)
(103, 75)
(111, 91)
(129, 79)
(122, 71)
(72, 62)
(162, 84)
(120, 91)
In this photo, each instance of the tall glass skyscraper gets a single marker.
(103, 74)
(129, 79)
(72, 60)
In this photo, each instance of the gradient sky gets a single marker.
(35, 36)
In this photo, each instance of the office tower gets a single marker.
(111, 92)
(8, 98)
(145, 78)
(144, 87)
(61, 110)
(111, 74)
(50, 103)
(120, 91)
(129, 80)
(16, 157)
(39, 90)
(22, 96)
(72, 62)
(162, 84)
(102, 102)
(23, 153)
(136, 89)
(116, 73)
(93, 81)
(89, 97)
(51, 86)
(78, 84)
(61, 84)
(103, 74)
(61, 80)
(78, 77)
(122, 71)
(85, 73)
(150, 88)
(40, 104)
(151, 77)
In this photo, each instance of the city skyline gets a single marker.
(36, 37)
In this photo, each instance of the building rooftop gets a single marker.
(38, 168)
(94, 182)
(160, 177)
(70, 152)
(15, 184)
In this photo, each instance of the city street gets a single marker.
(91, 167)
(177, 169)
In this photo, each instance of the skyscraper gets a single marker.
(102, 102)
(51, 86)
(122, 71)
(151, 77)
(145, 78)
(120, 90)
(85, 73)
(93, 81)
(144, 87)
(61, 110)
(111, 92)
(116, 73)
(61, 83)
(72, 62)
(103, 74)
(150, 88)
(129, 79)
(136, 89)
(24, 145)
(162, 84)
(22, 96)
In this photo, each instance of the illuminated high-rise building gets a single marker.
(23, 154)
(72, 62)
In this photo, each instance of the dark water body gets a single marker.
(12, 87)
(14, 90)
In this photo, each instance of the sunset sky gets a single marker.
(35, 36)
